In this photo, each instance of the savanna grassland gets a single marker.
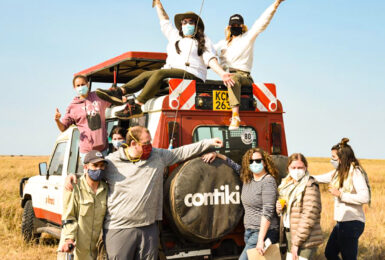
(12, 169)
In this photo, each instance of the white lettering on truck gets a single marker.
(213, 198)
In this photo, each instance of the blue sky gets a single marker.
(326, 57)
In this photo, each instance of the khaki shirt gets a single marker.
(86, 210)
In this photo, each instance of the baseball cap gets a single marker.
(236, 19)
(94, 157)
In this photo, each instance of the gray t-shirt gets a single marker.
(258, 199)
(135, 195)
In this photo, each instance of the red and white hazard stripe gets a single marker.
(182, 94)
(266, 97)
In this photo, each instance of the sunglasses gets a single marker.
(191, 22)
(255, 160)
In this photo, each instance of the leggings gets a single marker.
(150, 82)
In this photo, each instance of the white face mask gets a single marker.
(118, 143)
(335, 163)
(297, 174)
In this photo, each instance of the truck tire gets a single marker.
(202, 201)
(280, 162)
(28, 228)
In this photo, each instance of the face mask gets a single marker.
(256, 167)
(82, 90)
(297, 174)
(188, 29)
(147, 148)
(117, 143)
(236, 31)
(335, 163)
(95, 175)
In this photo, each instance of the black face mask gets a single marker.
(236, 30)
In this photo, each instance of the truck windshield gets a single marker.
(235, 143)
(56, 164)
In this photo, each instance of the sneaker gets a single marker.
(112, 95)
(130, 111)
(235, 121)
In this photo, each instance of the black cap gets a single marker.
(94, 157)
(236, 19)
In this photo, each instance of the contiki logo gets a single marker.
(224, 197)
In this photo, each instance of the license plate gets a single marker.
(221, 100)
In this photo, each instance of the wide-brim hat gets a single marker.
(179, 17)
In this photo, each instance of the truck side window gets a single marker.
(56, 164)
(235, 143)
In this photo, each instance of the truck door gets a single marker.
(49, 189)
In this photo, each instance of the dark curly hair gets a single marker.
(247, 175)
(199, 36)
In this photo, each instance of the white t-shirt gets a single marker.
(239, 54)
(189, 52)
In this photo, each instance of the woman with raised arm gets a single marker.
(349, 184)
(189, 53)
(236, 55)
(259, 194)
(300, 209)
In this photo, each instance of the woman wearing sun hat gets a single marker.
(236, 54)
(189, 53)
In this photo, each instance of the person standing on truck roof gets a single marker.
(189, 53)
(300, 207)
(87, 112)
(236, 55)
(349, 184)
(135, 200)
(259, 194)
(84, 209)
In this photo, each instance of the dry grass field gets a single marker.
(12, 169)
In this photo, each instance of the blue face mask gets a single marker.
(95, 175)
(256, 167)
(82, 90)
(188, 29)
(118, 143)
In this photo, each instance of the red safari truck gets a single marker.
(202, 208)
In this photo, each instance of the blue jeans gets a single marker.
(344, 240)
(251, 239)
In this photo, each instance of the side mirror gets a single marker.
(43, 169)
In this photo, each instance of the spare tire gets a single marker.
(280, 162)
(203, 200)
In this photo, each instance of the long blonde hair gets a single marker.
(228, 35)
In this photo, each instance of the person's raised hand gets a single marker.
(69, 180)
(57, 114)
(155, 2)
